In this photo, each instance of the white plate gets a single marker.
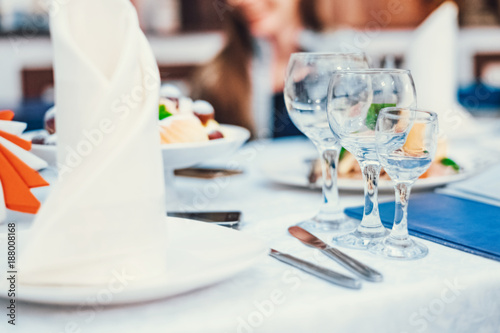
(294, 173)
(175, 156)
(199, 255)
(183, 155)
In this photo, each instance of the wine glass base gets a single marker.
(341, 223)
(392, 248)
(360, 240)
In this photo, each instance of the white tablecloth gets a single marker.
(447, 291)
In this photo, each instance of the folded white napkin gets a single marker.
(13, 127)
(431, 57)
(106, 215)
(33, 161)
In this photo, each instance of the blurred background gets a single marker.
(187, 34)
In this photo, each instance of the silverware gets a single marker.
(206, 173)
(348, 262)
(321, 272)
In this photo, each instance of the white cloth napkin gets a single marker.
(482, 187)
(33, 161)
(106, 215)
(13, 127)
(431, 57)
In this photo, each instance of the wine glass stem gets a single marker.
(400, 227)
(371, 172)
(329, 157)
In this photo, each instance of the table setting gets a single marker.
(89, 244)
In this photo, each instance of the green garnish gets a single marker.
(164, 112)
(342, 153)
(451, 163)
(373, 111)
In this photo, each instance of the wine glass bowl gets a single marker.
(355, 98)
(406, 141)
(306, 90)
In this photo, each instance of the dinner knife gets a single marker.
(348, 262)
(321, 272)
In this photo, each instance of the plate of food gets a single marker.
(304, 170)
(188, 130)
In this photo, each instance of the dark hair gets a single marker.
(309, 15)
(225, 81)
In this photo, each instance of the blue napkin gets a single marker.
(462, 224)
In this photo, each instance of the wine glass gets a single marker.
(306, 89)
(355, 98)
(406, 141)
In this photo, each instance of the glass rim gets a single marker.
(373, 71)
(387, 112)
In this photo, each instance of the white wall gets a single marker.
(18, 52)
(472, 41)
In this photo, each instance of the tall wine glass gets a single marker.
(406, 144)
(355, 98)
(306, 89)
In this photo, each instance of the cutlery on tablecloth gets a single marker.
(318, 271)
(206, 173)
(225, 219)
(340, 257)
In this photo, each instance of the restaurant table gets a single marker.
(447, 291)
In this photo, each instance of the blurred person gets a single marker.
(245, 81)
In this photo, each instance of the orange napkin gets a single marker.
(17, 177)
(17, 194)
(6, 115)
(25, 144)
(30, 177)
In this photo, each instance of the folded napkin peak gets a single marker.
(431, 57)
(106, 213)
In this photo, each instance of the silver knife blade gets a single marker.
(348, 262)
(321, 272)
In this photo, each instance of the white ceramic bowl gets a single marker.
(178, 155)
(183, 155)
